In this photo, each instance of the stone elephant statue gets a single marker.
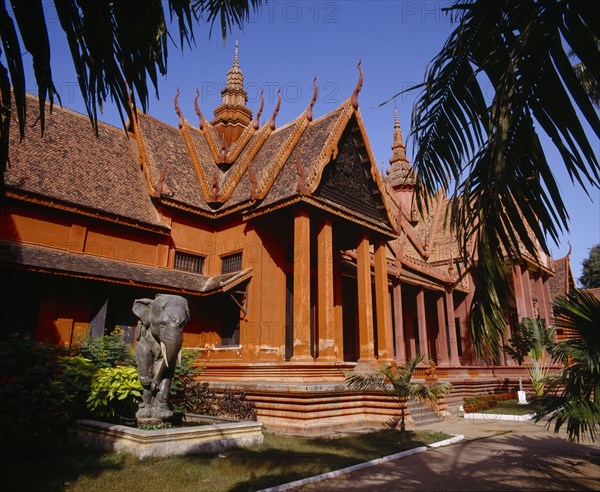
(159, 339)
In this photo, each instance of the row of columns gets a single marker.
(329, 321)
(446, 341)
(524, 296)
(329, 333)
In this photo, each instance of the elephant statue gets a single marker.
(159, 339)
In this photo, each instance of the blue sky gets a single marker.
(288, 42)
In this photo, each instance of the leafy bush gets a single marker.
(184, 379)
(115, 392)
(485, 402)
(234, 405)
(199, 398)
(109, 351)
(42, 389)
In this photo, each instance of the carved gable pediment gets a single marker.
(347, 179)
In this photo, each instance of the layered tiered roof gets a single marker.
(203, 169)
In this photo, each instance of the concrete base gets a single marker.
(213, 435)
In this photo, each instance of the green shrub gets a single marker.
(234, 405)
(109, 351)
(42, 389)
(76, 379)
(184, 378)
(485, 402)
(115, 392)
(199, 398)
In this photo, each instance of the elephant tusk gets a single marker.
(179, 359)
(163, 349)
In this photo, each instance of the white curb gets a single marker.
(336, 473)
(496, 416)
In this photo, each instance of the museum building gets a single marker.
(299, 260)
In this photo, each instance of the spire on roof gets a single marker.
(232, 116)
(400, 173)
(235, 77)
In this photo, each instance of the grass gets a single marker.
(510, 407)
(280, 459)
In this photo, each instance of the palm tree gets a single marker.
(574, 396)
(531, 346)
(505, 201)
(116, 47)
(396, 381)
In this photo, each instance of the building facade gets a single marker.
(300, 262)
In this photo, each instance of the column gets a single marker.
(519, 294)
(527, 292)
(302, 286)
(541, 298)
(550, 309)
(365, 302)
(442, 341)
(399, 323)
(454, 360)
(382, 304)
(422, 322)
(468, 354)
(337, 299)
(326, 324)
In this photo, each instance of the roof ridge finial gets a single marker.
(178, 109)
(276, 110)
(396, 120)
(308, 113)
(354, 98)
(255, 121)
(198, 112)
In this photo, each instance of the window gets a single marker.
(231, 263)
(189, 263)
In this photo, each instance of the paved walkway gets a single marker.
(495, 455)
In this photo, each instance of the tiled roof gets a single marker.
(71, 165)
(168, 156)
(183, 166)
(309, 146)
(562, 283)
(87, 266)
(595, 292)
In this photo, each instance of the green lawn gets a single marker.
(280, 459)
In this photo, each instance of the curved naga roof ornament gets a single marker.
(308, 113)
(354, 98)
(276, 110)
(178, 109)
(198, 112)
(255, 122)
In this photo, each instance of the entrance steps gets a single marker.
(422, 415)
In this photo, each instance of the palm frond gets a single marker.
(573, 397)
(116, 47)
(505, 198)
(367, 382)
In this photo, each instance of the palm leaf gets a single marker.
(505, 201)
(118, 51)
(573, 397)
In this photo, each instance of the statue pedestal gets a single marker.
(149, 421)
(522, 398)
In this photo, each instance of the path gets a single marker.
(495, 455)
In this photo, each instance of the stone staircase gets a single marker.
(422, 415)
